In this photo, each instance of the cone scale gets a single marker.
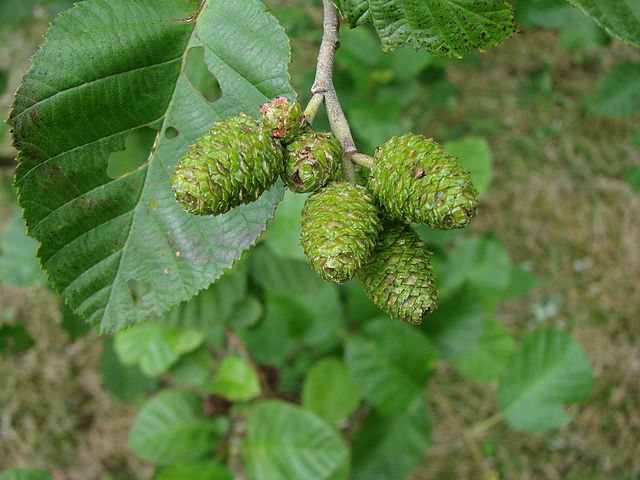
(230, 165)
(311, 161)
(417, 181)
(399, 279)
(339, 230)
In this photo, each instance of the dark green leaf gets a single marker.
(235, 380)
(313, 318)
(201, 470)
(246, 313)
(329, 390)
(458, 323)
(107, 69)
(368, 65)
(618, 95)
(482, 261)
(360, 308)
(211, 309)
(270, 341)
(24, 474)
(15, 339)
(193, 369)
(548, 370)
(446, 27)
(487, 359)
(127, 382)
(271, 273)
(282, 236)
(621, 18)
(474, 154)
(286, 442)
(71, 323)
(390, 448)
(390, 365)
(171, 428)
(18, 262)
(3, 80)
(581, 32)
(632, 176)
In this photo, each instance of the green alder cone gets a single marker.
(339, 230)
(230, 165)
(417, 181)
(284, 119)
(399, 279)
(311, 161)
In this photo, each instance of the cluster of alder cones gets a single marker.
(347, 230)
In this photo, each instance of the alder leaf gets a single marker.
(548, 371)
(121, 249)
(283, 441)
(448, 28)
(621, 18)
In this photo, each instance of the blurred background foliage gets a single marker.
(547, 123)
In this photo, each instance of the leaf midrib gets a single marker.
(137, 202)
(535, 385)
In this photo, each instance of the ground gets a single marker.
(558, 201)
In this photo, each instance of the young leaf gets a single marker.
(329, 390)
(285, 441)
(24, 474)
(200, 470)
(449, 28)
(235, 380)
(390, 365)
(621, 18)
(171, 428)
(390, 448)
(106, 69)
(549, 370)
(18, 262)
(154, 347)
(618, 95)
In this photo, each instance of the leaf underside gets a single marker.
(106, 69)
(448, 28)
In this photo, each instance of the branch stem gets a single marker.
(362, 160)
(323, 85)
(313, 106)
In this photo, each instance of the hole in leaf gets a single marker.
(137, 146)
(153, 204)
(137, 290)
(171, 133)
(200, 77)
